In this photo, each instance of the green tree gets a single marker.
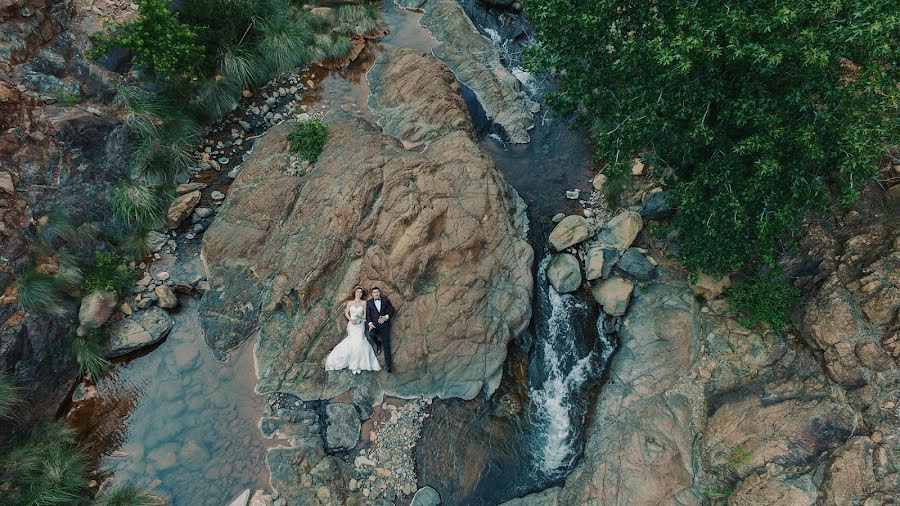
(758, 108)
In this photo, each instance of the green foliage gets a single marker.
(156, 37)
(763, 298)
(88, 351)
(137, 204)
(738, 456)
(45, 469)
(758, 108)
(10, 395)
(64, 97)
(55, 228)
(358, 19)
(40, 294)
(110, 274)
(126, 495)
(308, 138)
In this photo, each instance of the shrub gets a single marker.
(56, 227)
(759, 110)
(44, 469)
(136, 204)
(356, 19)
(10, 395)
(88, 351)
(763, 298)
(308, 138)
(40, 294)
(158, 40)
(110, 274)
(127, 495)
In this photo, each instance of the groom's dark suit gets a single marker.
(382, 330)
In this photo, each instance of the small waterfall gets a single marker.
(566, 370)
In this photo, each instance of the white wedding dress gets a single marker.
(354, 352)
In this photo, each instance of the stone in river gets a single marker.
(613, 294)
(558, 217)
(167, 299)
(621, 230)
(426, 496)
(564, 272)
(636, 265)
(343, 426)
(182, 207)
(569, 232)
(143, 329)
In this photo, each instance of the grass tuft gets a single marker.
(127, 495)
(10, 395)
(89, 353)
(40, 294)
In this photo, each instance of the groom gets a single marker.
(379, 315)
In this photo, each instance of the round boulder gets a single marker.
(564, 272)
(96, 308)
(613, 294)
(426, 496)
(569, 232)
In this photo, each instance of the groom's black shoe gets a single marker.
(389, 370)
(377, 349)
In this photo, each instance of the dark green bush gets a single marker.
(760, 110)
(110, 274)
(41, 294)
(308, 138)
(10, 395)
(763, 298)
(157, 38)
(88, 351)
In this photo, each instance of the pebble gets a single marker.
(558, 217)
(203, 212)
(233, 173)
(217, 195)
(162, 276)
(573, 194)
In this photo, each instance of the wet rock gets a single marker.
(217, 195)
(613, 294)
(397, 75)
(657, 206)
(343, 426)
(475, 63)
(241, 499)
(710, 287)
(96, 308)
(564, 272)
(438, 228)
(143, 329)
(569, 232)
(636, 265)
(621, 230)
(558, 217)
(573, 194)
(181, 208)
(426, 496)
(547, 497)
(167, 299)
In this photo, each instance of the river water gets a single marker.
(178, 420)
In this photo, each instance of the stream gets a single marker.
(178, 420)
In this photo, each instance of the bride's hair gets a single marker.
(353, 293)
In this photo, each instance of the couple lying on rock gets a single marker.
(364, 317)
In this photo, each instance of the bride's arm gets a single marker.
(347, 311)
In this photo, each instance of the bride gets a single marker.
(354, 352)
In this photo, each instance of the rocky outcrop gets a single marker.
(440, 232)
(476, 64)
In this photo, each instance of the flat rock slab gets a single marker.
(343, 426)
(138, 331)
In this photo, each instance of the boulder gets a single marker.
(143, 329)
(440, 231)
(564, 272)
(260, 498)
(599, 181)
(860, 473)
(710, 287)
(621, 230)
(474, 61)
(241, 499)
(96, 308)
(426, 496)
(569, 232)
(636, 265)
(657, 207)
(181, 208)
(343, 426)
(599, 261)
(639, 447)
(613, 294)
(547, 497)
(762, 489)
(167, 299)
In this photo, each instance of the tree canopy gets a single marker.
(759, 109)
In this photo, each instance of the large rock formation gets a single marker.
(441, 232)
